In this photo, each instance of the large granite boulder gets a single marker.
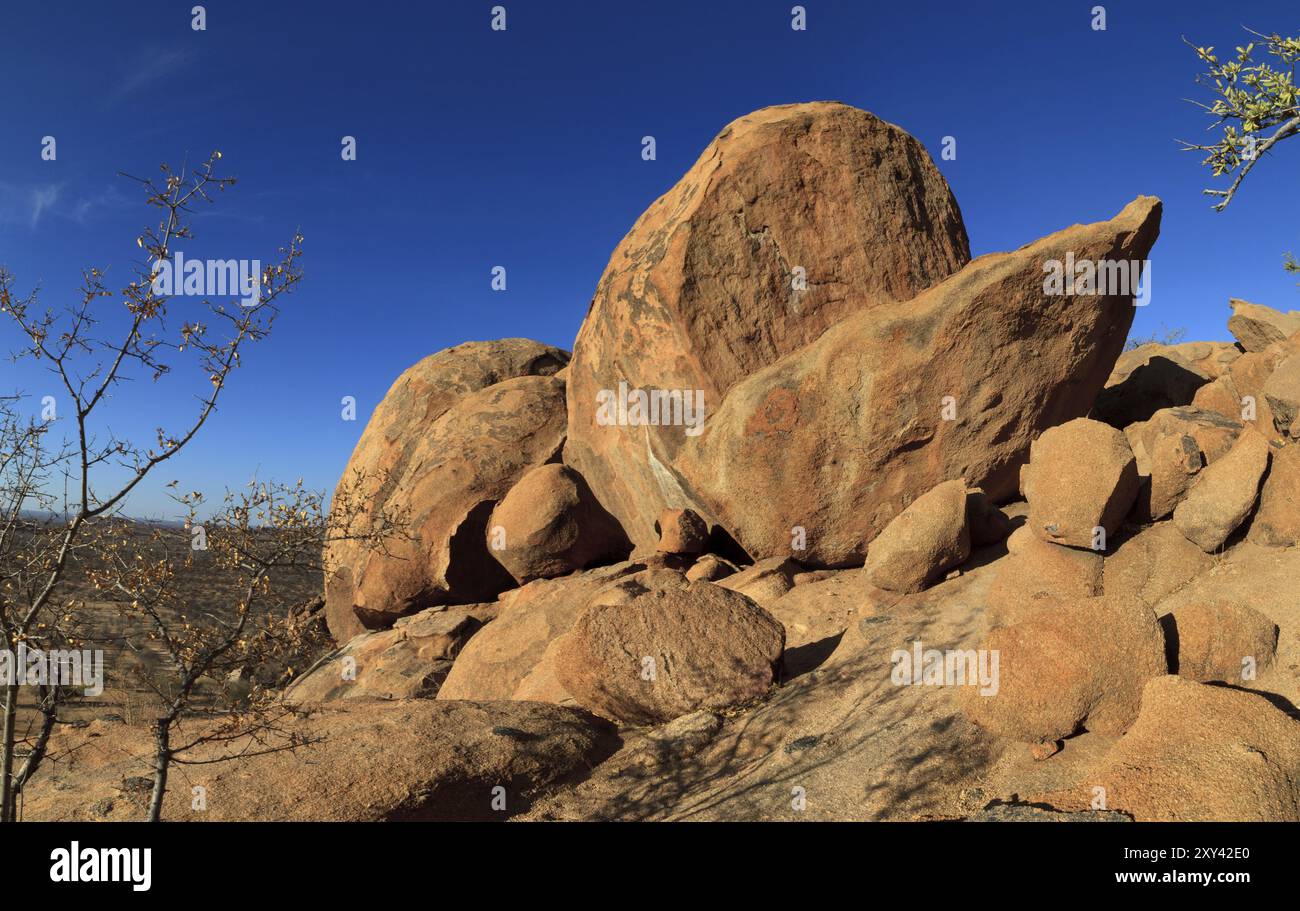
(793, 218)
(836, 439)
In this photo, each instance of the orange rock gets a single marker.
(891, 402)
(1256, 327)
(1081, 476)
(1153, 564)
(666, 652)
(1222, 641)
(550, 524)
(682, 531)
(1282, 390)
(1038, 576)
(793, 218)
(494, 663)
(451, 437)
(1198, 753)
(1276, 522)
(1072, 665)
(1224, 494)
(922, 542)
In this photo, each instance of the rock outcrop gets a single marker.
(1256, 327)
(793, 218)
(451, 437)
(836, 439)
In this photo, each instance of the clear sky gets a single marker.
(522, 149)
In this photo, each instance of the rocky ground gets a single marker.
(939, 549)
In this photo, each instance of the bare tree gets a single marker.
(240, 653)
(91, 351)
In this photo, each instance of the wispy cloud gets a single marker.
(42, 200)
(156, 66)
(88, 207)
(35, 203)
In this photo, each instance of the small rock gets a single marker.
(1219, 642)
(1225, 493)
(1081, 476)
(1255, 326)
(710, 568)
(988, 524)
(765, 581)
(682, 531)
(923, 542)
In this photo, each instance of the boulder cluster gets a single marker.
(796, 403)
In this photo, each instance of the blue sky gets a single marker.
(522, 149)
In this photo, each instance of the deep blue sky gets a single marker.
(479, 148)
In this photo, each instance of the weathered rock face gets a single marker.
(1081, 476)
(922, 542)
(1072, 664)
(1219, 642)
(1277, 521)
(407, 760)
(667, 652)
(1250, 373)
(1199, 753)
(408, 661)
(1219, 396)
(793, 218)
(838, 438)
(1283, 393)
(1255, 326)
(550, 524)
(451, 437)
(1154, 564)
(1039, 575)
(1224, 494)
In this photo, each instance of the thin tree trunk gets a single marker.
(7, 759)
(162, 758)
(50, 717)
